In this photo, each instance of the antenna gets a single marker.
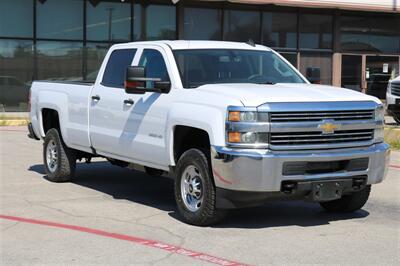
(251, 42)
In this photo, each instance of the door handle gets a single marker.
(96, 98)
(129, 102)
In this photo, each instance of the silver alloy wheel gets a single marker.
(192, 188)
(52, 156)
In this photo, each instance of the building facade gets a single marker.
(347, 43)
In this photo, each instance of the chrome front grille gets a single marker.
(312, 138)
(309, 116)
(395, 89)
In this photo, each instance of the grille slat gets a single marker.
(322, 115)
(395, 89)
(314, 138)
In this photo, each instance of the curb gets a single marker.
(14, 122)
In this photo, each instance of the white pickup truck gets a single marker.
(233, 123)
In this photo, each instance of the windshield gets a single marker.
(207, 66)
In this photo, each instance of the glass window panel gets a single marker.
(95, 53)
(291, 57)
(108, 21)
(241, 25)
(59, 60)
(16, 18)
(317, 62)
(137, 22)
(363, 34)
(201, 24)
(16, 74)
(114, 74)
(160, 22)
(280, 29)
(60, 19)
(316, 31)
(154, 63)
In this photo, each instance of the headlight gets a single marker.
(379, 135)
(237, 116)
(248, 137)
(379, 113)
(389, 87)
(245, 127)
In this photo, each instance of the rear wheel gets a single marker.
(348, 203)
(195, 191)
(59, 160)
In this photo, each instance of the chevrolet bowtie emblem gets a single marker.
(328, 128)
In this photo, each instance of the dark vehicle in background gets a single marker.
(377, 84)
(13, 93)
(393, 99)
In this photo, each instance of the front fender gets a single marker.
(208, 118)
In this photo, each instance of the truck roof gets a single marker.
(185, 44)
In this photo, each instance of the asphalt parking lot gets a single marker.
(110, 215)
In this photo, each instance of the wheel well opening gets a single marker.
(50, 119)
(186, 138)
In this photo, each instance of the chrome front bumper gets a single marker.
(261, 170)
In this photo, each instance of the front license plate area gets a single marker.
(326, 190)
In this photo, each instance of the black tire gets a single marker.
(207, 213)
(348, 203)
(65, 164)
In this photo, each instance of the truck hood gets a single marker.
(251, 94)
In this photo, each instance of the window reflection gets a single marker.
(60, 19)
(241, 26)
(280, 29)
(317, 67)
(137, 22)
(108, 21)
(202, 24)
(160, 22)
(16, 71)
(59, 60)
(291, 57)
(95, 53)
(16, 18)
(316, 31)
(370, 35)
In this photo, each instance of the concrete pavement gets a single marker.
(132, 204)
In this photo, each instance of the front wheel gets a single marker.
(195, 191)
(348, 203)
(59, 160)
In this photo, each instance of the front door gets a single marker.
(145, 135)
(109, 106)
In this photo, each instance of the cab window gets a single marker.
(154, 63)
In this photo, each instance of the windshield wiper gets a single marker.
(267, 83)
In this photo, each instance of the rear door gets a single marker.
(110, 107)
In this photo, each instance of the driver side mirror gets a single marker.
(136, 82)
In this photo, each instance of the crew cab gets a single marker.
(234, 124)
(393, 99)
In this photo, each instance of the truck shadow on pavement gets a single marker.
(158, 192)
